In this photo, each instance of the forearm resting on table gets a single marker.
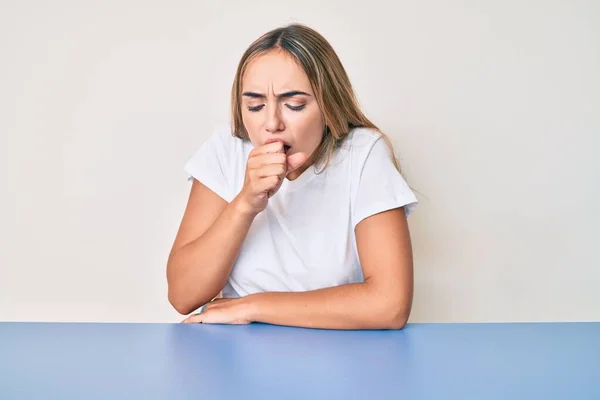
(198, 271)
(351, 306)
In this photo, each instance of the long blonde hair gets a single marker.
(333, 91)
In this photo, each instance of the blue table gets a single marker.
(176, 361)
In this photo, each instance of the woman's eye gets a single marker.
(295, 108)
(256, 108)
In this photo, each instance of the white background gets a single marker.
(494, 108)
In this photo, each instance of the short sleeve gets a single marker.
(210, 165)
(381, 187)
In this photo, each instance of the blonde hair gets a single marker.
(332, 88)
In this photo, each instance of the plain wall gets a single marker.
(493, 106)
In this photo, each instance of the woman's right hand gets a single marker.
(266, 168)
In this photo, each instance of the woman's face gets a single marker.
(278, 103)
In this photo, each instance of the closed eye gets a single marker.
(256, 108)
(295, 108)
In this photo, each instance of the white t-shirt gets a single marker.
(304, 239)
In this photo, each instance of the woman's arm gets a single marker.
(212, 231)
(207, 244)
(382, 301)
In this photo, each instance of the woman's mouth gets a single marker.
(286, 148)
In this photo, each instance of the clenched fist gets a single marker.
(267, 167)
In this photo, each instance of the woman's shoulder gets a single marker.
(359, 143)
(224, 145)
(360, 140)
(218, 162)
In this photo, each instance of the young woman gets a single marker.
(297, 211)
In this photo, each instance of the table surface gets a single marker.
(258, 361)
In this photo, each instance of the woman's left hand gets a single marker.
(223, 311)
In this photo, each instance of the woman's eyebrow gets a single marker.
(291, 93)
